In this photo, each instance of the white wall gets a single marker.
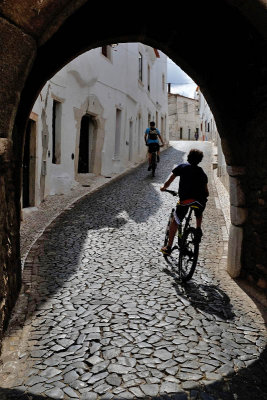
(207, 122)
(212, 135)
(97, 85)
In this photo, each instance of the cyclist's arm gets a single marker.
(161, 140)
(145, 137)
(168, 182)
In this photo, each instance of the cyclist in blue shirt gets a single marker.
(152, 136)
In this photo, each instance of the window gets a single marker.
(106, 51)
(139, 132)
(185, 107)
(162, 127)
(140, 64)
(163, 82)
(117, 135)
(148, 78)
(56, 133)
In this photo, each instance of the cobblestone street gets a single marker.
(101, 314)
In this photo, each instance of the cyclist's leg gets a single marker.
(199, 217)
(179, 215)
(199, 221)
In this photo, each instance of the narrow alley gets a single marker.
(105, 317)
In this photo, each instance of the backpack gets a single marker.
(153, 135)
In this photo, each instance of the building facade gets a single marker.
(208, 131)
(184, 121)
(91, 116)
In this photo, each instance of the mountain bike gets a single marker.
(184, 254)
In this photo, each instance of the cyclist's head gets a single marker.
(152, 124)
(194, 156)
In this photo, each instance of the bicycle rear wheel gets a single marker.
(188, 254)
(153, 163)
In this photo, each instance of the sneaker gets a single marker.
(149, 168)
(198, 235)
(157, 158)
(166, 250)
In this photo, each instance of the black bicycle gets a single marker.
(184, 254)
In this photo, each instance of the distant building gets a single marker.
(90, 118)
(184, 123)
(208, 129)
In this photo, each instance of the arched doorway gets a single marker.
(37, 41)
(29, 166)
(85, 145)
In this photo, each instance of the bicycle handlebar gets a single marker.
(171, 192)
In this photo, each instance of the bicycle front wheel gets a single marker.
(173, 258)
(188, 254)
(168, 227)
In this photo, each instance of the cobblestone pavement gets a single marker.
(101, 315)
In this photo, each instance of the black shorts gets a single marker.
(152, 147)
(181, 211)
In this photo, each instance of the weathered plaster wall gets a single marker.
(95, 85)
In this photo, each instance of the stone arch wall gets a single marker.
(38, 38)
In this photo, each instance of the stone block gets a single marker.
(238, 215)
(35, 16)
(19, 51)
(262, 283)
(234, 251)
(236, 170)
(5, 152)
(237, 196)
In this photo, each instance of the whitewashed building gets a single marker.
(183, 117)
(208, 131)
(91, 116)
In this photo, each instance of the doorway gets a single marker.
(29, 166)
(131, 141)
(85, 146)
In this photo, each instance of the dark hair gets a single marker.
(152, 123)
(194, 156)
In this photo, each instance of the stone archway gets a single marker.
(38, 38)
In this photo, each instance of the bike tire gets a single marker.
(153, 163)
(188, 255)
